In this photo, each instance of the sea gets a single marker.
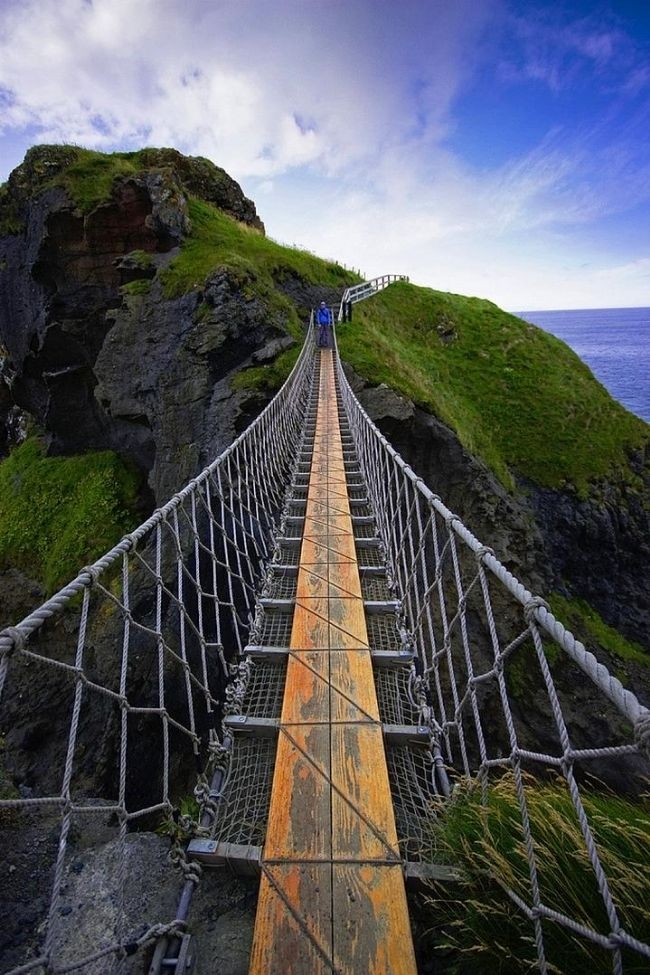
(615, 344)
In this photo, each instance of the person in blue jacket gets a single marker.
(324, 321)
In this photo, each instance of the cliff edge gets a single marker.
(144, 311)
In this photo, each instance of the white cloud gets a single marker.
(334, 115)
(230, 80)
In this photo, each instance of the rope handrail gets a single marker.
(626, 702)
(89, 574)
(473, 660)
(146, 634)
(157, 634)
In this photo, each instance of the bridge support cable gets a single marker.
(136, 654)
(483, 643)
(173, 651)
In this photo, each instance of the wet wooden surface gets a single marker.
(332, 895)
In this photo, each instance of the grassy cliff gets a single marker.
(59, 513)
(516, 397)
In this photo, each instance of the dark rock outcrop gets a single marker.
(600, 547)
(99, 368)
(596, 549)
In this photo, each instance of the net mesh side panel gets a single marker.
(275, 629)
(409, 772)
(361, 509)
(288, 554)
(296, 507)
(264, 690)
(243, 811)
(370, 557)
(281, 585)
(392, 685)
(375, 588)
(382, 631)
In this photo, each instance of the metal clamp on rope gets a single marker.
(183, 963)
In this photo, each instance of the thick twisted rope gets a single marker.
(447, 581)
(173, 589)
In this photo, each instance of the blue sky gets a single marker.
(497, 148)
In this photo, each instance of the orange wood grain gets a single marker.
(371, 931)
(307, 688)
(332, 897)
(353, 696)
(293, 926)
(300, 825)
(313, 580)
(323, 547)
(310, 626)
(347, 624)
(363, 822)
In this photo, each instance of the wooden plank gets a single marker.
(330, 799)
(339, 523)
(310, 625)
(317, 507)
(307, 687)
(295, 906)
(347, 624)
(363, 822)
(317, 526)
(313, 581)
(371, 924)
(316, 550)
(344, 580)
(317, 491)
(300, 824)
(353, 696)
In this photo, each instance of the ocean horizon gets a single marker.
(613, 342)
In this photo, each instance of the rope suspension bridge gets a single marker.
(307, 625)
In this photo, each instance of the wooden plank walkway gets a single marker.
(332, 896)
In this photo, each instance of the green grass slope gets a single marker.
(218, 239)
(516, 397)
(480, 832)
(60, 513)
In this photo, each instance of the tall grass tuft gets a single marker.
(482, 928)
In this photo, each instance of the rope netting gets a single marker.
(116, 693)
(112, 691)
(501, 686)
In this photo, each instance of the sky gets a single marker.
(497, 148)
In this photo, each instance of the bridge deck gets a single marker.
(332, 895)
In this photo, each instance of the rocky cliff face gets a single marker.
(596, 549)
(100, 368)
(101, 365)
